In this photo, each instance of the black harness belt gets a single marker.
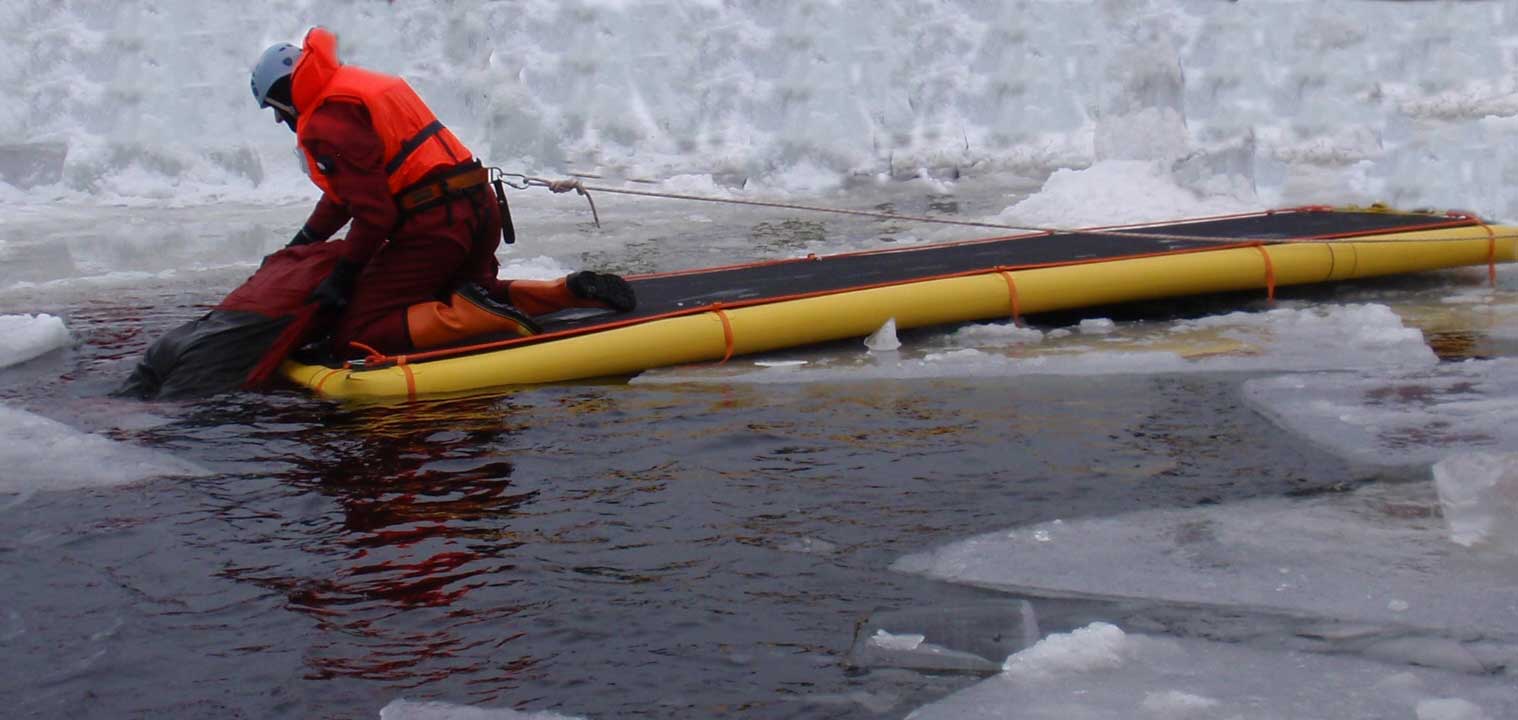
(466, 177)
(411, 144)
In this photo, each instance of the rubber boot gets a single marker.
(470, 313)
(581, 289)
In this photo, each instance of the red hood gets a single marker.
(318, 61)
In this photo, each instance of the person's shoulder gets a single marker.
(339, 114)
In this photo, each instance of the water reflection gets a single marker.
(401, 513)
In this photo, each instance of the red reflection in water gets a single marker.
(421, 519)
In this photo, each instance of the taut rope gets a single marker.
(524, 181)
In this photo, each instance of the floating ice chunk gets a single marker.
(1096, 326)
(1479, 495)
(887, 641)
(884, 339)
(1450, 709)
(959, 638)
(23, 337)
(1126, 675)
(810, 546)
(997, 334)
(1426, 651)
(408, 710)
(1325, 337)
(1410, 417)
(1098, 646)
(966, 354)
(42, 454)
(1176, 704)
(1345, 556)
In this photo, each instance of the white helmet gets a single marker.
(275, 64)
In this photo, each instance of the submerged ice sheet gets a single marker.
(1378, 555)
(1100, 672)
(1289, 338)
(1408, 417)
(23, 337)
(41, 454)
(967, 637)
(412, 710)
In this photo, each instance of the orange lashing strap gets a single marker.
(1012, 295)
(405, 367)
(1491, 255)
(1270, 274)
(727, 332)
(438, 189)
(325, 378)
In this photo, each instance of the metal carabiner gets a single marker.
(498, 175)
(523, 182)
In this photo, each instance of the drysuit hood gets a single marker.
(318, 62)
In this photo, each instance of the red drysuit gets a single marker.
(422, 258)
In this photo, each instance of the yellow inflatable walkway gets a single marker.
(718, 313)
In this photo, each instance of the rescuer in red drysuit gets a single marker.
(420, 268)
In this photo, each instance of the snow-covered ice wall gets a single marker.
(1274, 101)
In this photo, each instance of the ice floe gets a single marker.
(40, 454)
(24, 337)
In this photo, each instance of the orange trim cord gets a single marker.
(1011, 295)
(1303, 209)
(372, 356)
(1456, 222)
(1270, 273)
(727, 333)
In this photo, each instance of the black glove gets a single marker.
(304, 237)
(334, 291)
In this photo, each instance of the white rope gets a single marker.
(577, 185)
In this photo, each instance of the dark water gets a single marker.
(605, 550)
(601, 550)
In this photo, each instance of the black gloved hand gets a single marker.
(334, 291)
(304, 237)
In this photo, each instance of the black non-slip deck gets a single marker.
(665, 294)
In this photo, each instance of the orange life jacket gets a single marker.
(415, 142)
